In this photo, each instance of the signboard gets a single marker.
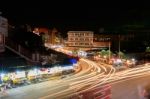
(20, 74)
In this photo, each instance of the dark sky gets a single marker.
(75, 15)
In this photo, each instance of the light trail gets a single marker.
(90, 75)
(81, 83)
(98, 82)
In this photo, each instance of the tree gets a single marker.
(103, 52)
(122, 55)
(147, 49)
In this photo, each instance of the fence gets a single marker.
(18, 49)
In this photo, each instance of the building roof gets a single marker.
(79, 31)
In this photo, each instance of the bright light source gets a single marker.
(133, 59)
(118, 61)
(20, 74)
(2, 75)
(105, 56)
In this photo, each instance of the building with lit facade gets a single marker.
(50, 35)
(3, 32)
(80, 39)
(103, 41)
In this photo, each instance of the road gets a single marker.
(89, 75)
(122, 90)
(31, 91)
(130, 88)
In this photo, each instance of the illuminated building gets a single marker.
(101, 41)
(80, 39)
(36, 31)
(49, 34)
(53, 36)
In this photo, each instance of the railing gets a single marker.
(18, 49)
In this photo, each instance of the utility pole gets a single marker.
(119, 46)
(109, 50)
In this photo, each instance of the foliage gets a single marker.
(147, 49)
(105, 53)
(122, 55)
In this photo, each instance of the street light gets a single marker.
(119, 46)
(109, 50)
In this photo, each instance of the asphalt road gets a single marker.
(123, 89)
(123, 86)
(130, 88)
(88, 74)
(31, 91)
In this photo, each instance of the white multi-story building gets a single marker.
(3, 32)
(80, 39)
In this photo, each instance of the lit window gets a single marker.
(82, 39)
(76, 39)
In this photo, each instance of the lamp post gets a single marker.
(109, 50)
(119, 46)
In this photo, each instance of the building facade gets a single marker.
(103, 41)
(80, 39)
(50, 35)
(3, 32)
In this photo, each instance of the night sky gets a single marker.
(76, 15)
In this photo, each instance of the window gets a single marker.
(72, 34)
(82, 34)
(71, 39)
(76, 43)
(81, 43)
(76, 34)
(86, 34)
(86, 43)
(81, 39)
(76, 39)
(87, 39)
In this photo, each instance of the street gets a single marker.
(126, 84)
(126, 89)
(89, 73)
(129, 88)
